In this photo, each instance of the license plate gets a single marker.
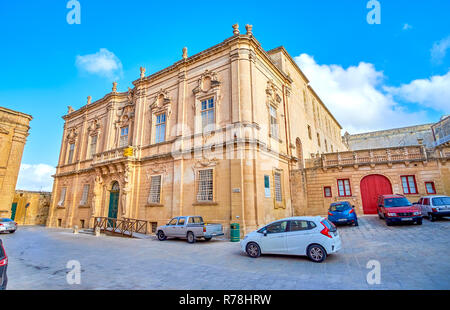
(342, 220)
(407, 219)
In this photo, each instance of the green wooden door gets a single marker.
(13, 210)
(113, 204)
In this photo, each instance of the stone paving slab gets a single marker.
(411, 257)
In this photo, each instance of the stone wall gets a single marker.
(38, 207)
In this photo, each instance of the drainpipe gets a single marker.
(288, 146)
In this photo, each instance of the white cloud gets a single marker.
(103, 63)
(439, 50)
(35, 177)
(407, 26)
(356, 96)
(433, 92)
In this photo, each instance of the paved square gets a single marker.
(411, 257)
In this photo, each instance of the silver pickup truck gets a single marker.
(189, 227)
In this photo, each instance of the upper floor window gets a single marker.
(160, 128)
(207, 114)
(205, 185)
(71, 151)
(62, 197)
(123, 136)
(344, 188)
(278, 190)
(93, 146)
(309, 133)
(273, 122)
(409, 184)
(327, 191)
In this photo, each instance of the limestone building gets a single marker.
(30, 208)
(216, 134)
(14, 127)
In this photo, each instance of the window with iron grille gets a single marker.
(123, 136)
(205, 185)
(409, 184)
(207, 114)
(62, 197)
(155, 190)
(160, 128)
(273, 122)
(93, 146)
(154, 226)
(71, 150)
(85, 195)
(278, 191)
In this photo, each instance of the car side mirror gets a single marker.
(265, 233)
(353, 207)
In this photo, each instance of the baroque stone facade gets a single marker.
(216, 134)
(14, 127)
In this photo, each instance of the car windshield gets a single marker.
(396, 202)
(339, 207)
(5, 220)
(441, 201)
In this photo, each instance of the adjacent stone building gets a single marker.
(216, 134)
(30, 208)
(14, 127)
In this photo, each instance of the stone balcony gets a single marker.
(376, 156)
(111, 155)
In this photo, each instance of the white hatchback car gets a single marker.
(315, 237)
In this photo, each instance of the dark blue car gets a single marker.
(342, 213)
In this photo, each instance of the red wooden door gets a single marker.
(371, 187)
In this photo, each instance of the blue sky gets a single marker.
(398, 71)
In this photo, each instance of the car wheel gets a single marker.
(207, 239)
(316, 253)
(388, 223)
(431, 217)
(161, 236)
(12, 231)
(253, 250)
(190, 237)
(419, 222)
(356, 223)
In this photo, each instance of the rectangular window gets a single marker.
(154, 227)
(207, 113)
(93, 146)
(278, 191)
(273, 122)
(62, 197)
(71, 151)
(123, 137)
(155, 190)
(409, 184)
(160, 128)
(266, 186)
(344, 188)
(327, 191)
(85, 195)
(205, 185)
(430, 187)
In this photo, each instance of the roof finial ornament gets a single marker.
(114, 89)
(142, 72)
(89, 99)
(69, 109)
(185, 53)
(236, 29)
(249, 29)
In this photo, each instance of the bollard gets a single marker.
(97, 231)
(75, 229)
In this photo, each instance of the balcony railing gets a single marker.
(110, 155)
(376, 156)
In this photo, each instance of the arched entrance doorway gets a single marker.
(371, 187)
(114, 200)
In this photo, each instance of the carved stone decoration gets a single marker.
(249, 29)
(204, 163)
(157, 168)
(130, 95)
(126, 189)
(142, 69)
(94, 127)
(70, 109)
(98, 181)
(161, 103)
(185, 53)
(235, 29)
(207, 82)
(89, 99)
(273, 98)
(114, 88)
(72, 135)
(125, 114)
